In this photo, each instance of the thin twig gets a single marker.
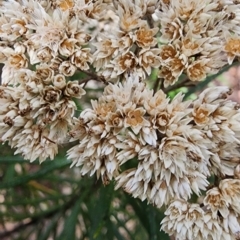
(85, 80)
(150, 20)
(94, 76)
(184, 83)
(161, 83)
(156, 85)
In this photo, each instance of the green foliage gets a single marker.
(52, 201)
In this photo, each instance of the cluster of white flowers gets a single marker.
(163, 150)
(154, 148)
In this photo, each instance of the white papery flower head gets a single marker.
(189, 221)
(216, 202)
(230, 189)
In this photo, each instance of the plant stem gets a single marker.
(93, 76)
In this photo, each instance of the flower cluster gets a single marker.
(173, 145)
(132, 46)
(198, 37)
(36, 115)
(214, 220)
(43, 45)
(157, 149)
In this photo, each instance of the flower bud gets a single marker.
(67, 69)
(73, 89)
(59, 81)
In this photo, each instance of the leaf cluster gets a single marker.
(52, 201)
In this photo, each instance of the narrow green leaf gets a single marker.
(150, 218)
(44, 235)
(113, 231)
(68, 231)
(13, 159)
(53, 165)
(10, 173)
(34, 201)
(138, 208)
(122, 224)
(100, 211)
